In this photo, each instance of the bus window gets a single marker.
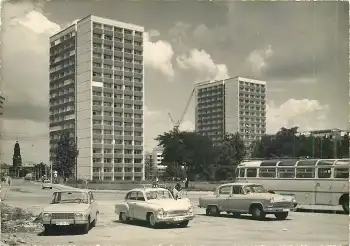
(241, 172)
(305, 173)
(251, 172)
(267, 172)
(324, 173)
(341, 173)
(287, 173)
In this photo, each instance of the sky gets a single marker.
(299, 48)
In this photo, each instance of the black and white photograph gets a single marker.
(198, 122)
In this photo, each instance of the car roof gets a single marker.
(147, 189)
(239, 184)
(81, 191)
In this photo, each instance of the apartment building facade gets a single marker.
(97, 94)
(233, 105)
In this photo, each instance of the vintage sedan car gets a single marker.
(46, 184)
(76, 208)
(247, 198)
(156, 206)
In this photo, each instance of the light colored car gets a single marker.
(46, 184)
(156, 206)
(247, 198)
(76, 208)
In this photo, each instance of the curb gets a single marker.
(319, 211)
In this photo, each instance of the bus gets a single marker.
(310, 181)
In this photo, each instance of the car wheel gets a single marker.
(152, 220)
(345, 205)
(281, 215)
(213, 211)
(93, 224)
(184, 224)
(257, 213)
(47, 229)
(123, 217)
(86, 227)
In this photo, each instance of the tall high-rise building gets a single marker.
(97, 93)
(232, 105)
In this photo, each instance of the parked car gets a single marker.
(247, 198)
(46, 184)
(76, 208)
(156, 206)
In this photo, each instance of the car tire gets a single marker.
(281, 215)
(47, 230)
(257, 213)
(345, 205)
(152, 222)
(184, 224)
(93, 224)
(86, 227)
(123, 217)
(213, 210)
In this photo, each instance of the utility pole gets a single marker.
(313, 146)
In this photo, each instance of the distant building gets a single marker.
(16, 160)
(335, 132)
(232, 105)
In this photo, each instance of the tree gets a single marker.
(230, 154)
(65, 155)
(148, 167)
(188, 149)
(345, 146)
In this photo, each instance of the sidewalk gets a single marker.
(320, 209)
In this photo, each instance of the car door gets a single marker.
(236, 199)
(132, 202)
(140, 206)
(222, 196)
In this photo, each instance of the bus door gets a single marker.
(323, 186)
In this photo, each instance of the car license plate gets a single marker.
(62, 223)
(286, 210)
(178, 218)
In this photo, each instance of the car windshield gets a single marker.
(71, 197)
(158, 194)
(255, 189)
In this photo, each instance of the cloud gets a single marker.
(158, 55)
(296, 113)
(202, 63)
(154, 33)
(257, 59)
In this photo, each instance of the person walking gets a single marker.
(9, 181)
(186, 185)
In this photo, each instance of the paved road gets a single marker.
(300, 228)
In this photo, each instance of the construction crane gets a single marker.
(177, 124)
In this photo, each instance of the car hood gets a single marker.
(168, 205)
(66, 208)
(275, 197)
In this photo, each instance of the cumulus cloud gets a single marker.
(257, 59)
(202, 63)
(296, 113)
(158, 55)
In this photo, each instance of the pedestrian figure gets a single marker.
(176, 190)
(9, 181)
(186, 185)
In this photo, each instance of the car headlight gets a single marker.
(190, 210)
(271, 202)
(294, 200)
(160, 211)
(46, 215)
(79, 215)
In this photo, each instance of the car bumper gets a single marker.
(65, 222)
(278, 210)
(175, 220)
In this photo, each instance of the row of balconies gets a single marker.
(116, 165)
(117, 49)
(110, 34)
(97, 25)
(116, 155)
